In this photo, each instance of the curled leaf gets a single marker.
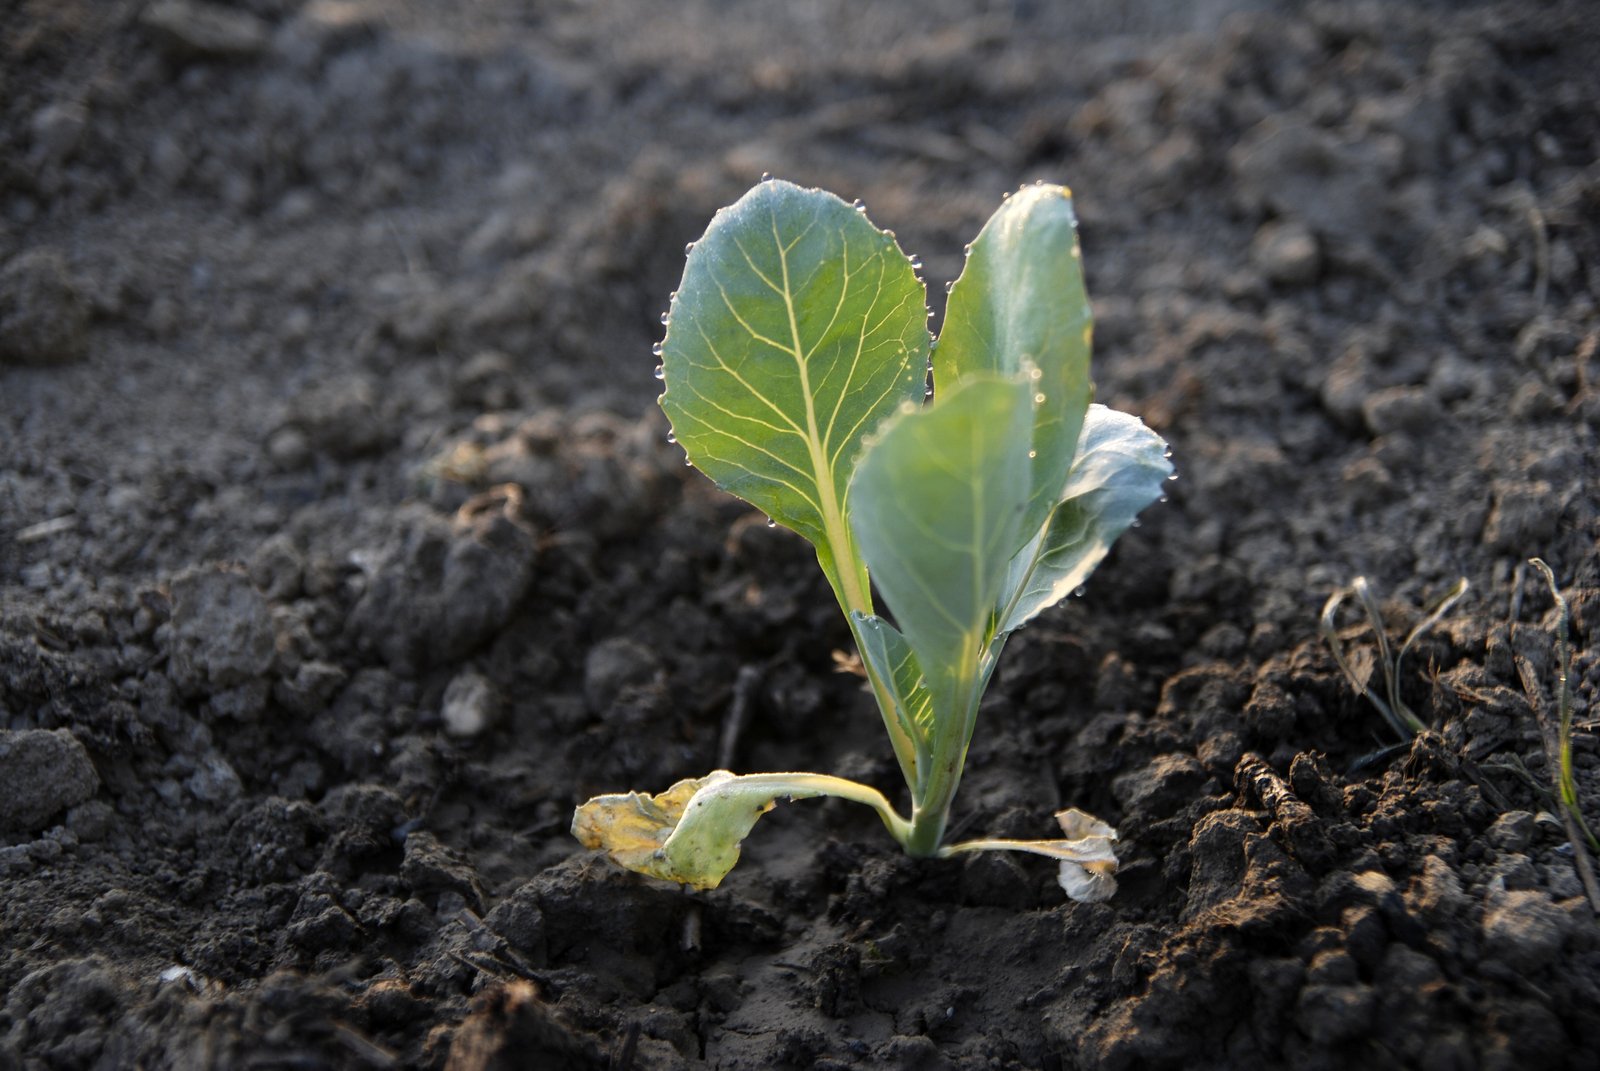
(1088, 860)
(691, 832)
(633, 828)
(1088, 881)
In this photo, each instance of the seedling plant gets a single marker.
(1396, 712)
(797, 364)
(1566, 783)
(1558, 738)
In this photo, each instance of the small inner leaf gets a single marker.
(891, 656)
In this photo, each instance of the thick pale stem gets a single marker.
(803, 784)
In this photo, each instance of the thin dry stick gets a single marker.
(1517, 576)
(744, 689)
(1541, 255)
(1580, 358)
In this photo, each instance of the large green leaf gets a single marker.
(1119, 470)
(797, 328)
(937, 512)
(1020, 308)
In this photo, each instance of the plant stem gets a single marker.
(839, 787)
(948, 754)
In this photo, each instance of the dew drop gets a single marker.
(1136, 523)
(1038, 399)
(1079, 592)
(1032, 454)
(1161, 498)
(859, 205)
(1174, 476)
(1038, 182)
(688, 249)
(949, 287)
(930, 314)
(1006, 196)
(672, 438)
(656, 349)
(771, 523)
(766, 176)
(928, 393)
(1036, 373)
(1166, 453)
(916, 263)
(661, 371)
(687, 463)
(666, 318)
(966, 250)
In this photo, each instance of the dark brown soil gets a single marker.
(342, 551)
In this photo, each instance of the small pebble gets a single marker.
(288, 449)
(1287, 253)
(1400, 409)
(470, 705)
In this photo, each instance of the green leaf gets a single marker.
(938, 505)
(1020, 308)
(1120, 468)
(798, 327)
(891, 657)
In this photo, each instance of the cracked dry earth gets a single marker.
(342, 551)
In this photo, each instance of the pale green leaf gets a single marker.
(797, 328)
(1020, 307)
(691, 832)
(937, 513)
(1120, 468)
